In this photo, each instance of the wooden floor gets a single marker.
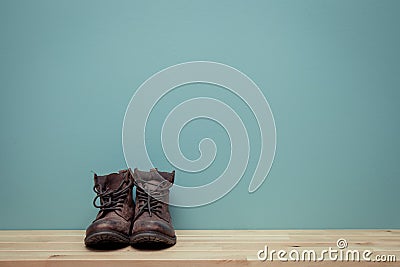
(198, 248)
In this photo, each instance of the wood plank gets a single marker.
(226, 238)
(221, 245)
(367, 232)
(154, 255)
(186, 263)
(194, 248)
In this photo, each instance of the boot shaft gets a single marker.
(152, 193)
(114, 194)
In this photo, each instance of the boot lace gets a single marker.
(148, 200)
(112, 199)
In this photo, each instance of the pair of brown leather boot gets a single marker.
(120, 221)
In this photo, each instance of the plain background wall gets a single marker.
(329, 69)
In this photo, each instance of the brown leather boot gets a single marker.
(113, 222)
(152, 222)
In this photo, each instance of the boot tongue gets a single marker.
(153, 180)
(112, 181)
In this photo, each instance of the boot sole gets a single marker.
(106, 239)
(152, 238)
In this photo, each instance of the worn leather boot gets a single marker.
(113, 222)
(152, 222)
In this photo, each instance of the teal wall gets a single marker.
(329, 69)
